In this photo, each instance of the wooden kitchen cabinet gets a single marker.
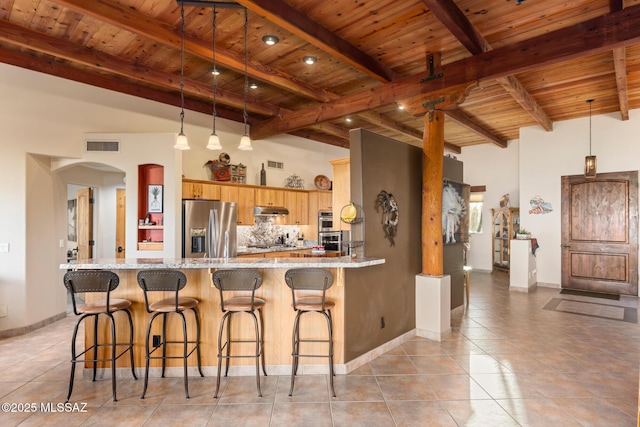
(297, 202)
(325, 200)
(197, 190)
(244, 198)
(269, 197)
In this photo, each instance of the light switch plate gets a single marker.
(4, 247)
(3, 311)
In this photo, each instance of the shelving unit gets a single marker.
(355, 244)
(505, 223)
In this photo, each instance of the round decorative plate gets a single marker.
(322, 182)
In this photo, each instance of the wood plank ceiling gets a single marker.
(522, 63)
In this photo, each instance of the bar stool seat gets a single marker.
(169, 281)
(301, 281)
(93, 281)
(245, 281)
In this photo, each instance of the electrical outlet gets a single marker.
(382, 325)
(4, 247)
(3, 311)
(156, 340)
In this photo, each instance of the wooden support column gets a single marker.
(432, 163)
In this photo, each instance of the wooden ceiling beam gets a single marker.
(596, 35)
(321, 137)
(388, 123)
(131, 20)
(463, 120)
(457, 22)
(620, 67)
(301, 25)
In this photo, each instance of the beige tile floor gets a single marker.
(508, 362)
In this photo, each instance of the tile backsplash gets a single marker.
(266, 232)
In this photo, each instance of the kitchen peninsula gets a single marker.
(278, 313)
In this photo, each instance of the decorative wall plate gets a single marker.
(322, 182)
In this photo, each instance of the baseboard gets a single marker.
(548, 285)
(30, 328)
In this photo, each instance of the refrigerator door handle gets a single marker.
(214, 229)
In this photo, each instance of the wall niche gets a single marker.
(150, 207)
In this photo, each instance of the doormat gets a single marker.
(590, 294)
(591, 309)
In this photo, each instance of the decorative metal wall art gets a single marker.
(539, 206)
(294, 181)
(387, 203)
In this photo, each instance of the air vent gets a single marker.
(103, 145)
(275, 165)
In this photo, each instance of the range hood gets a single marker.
(270, 210)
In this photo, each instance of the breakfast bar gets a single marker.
(278, 312)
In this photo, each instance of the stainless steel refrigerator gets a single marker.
(209, 229)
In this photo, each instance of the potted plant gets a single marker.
(523, 234)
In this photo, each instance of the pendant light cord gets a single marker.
(246, 72)
(182, 72)
(215, 70)
(590, 104)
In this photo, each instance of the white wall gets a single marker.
(534, 165)
(45, 120)
(497, 169)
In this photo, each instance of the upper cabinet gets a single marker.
(325, 200)
(198, 190)
(297, 202)
(244, 197)
(269, 197)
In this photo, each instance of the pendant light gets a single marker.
(245, 141)
(214, 140)
(181, 141)
(590, 161)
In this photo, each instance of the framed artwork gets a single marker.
(71, 220)
(154, 198)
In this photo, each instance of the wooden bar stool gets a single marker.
(98, 281)
(169, 281)
(242, 285)
(302, 280)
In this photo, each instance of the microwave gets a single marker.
(332, 240)
(325, 221)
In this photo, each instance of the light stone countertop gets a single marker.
(230, 263)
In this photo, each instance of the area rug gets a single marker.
(590, 294)
(592, 309)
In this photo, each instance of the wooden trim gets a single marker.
(478, 188)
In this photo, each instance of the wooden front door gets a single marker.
(121, 204)
(600, 233)
(85, 223)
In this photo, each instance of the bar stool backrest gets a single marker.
(161, 281)
(90, 281)
(308, 279)
(237, 280)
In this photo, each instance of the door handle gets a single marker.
(566, 246)
(120, 249)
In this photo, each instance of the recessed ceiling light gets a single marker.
(215, 71)
(348, 119)
(310, 60)
(400, 107)
(253, 85)
(270, 40)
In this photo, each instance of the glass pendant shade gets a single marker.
(214, 142)
(181, 142)
(245, 143)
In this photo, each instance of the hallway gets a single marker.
(508, 362)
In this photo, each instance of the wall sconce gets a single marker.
(590, 161)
